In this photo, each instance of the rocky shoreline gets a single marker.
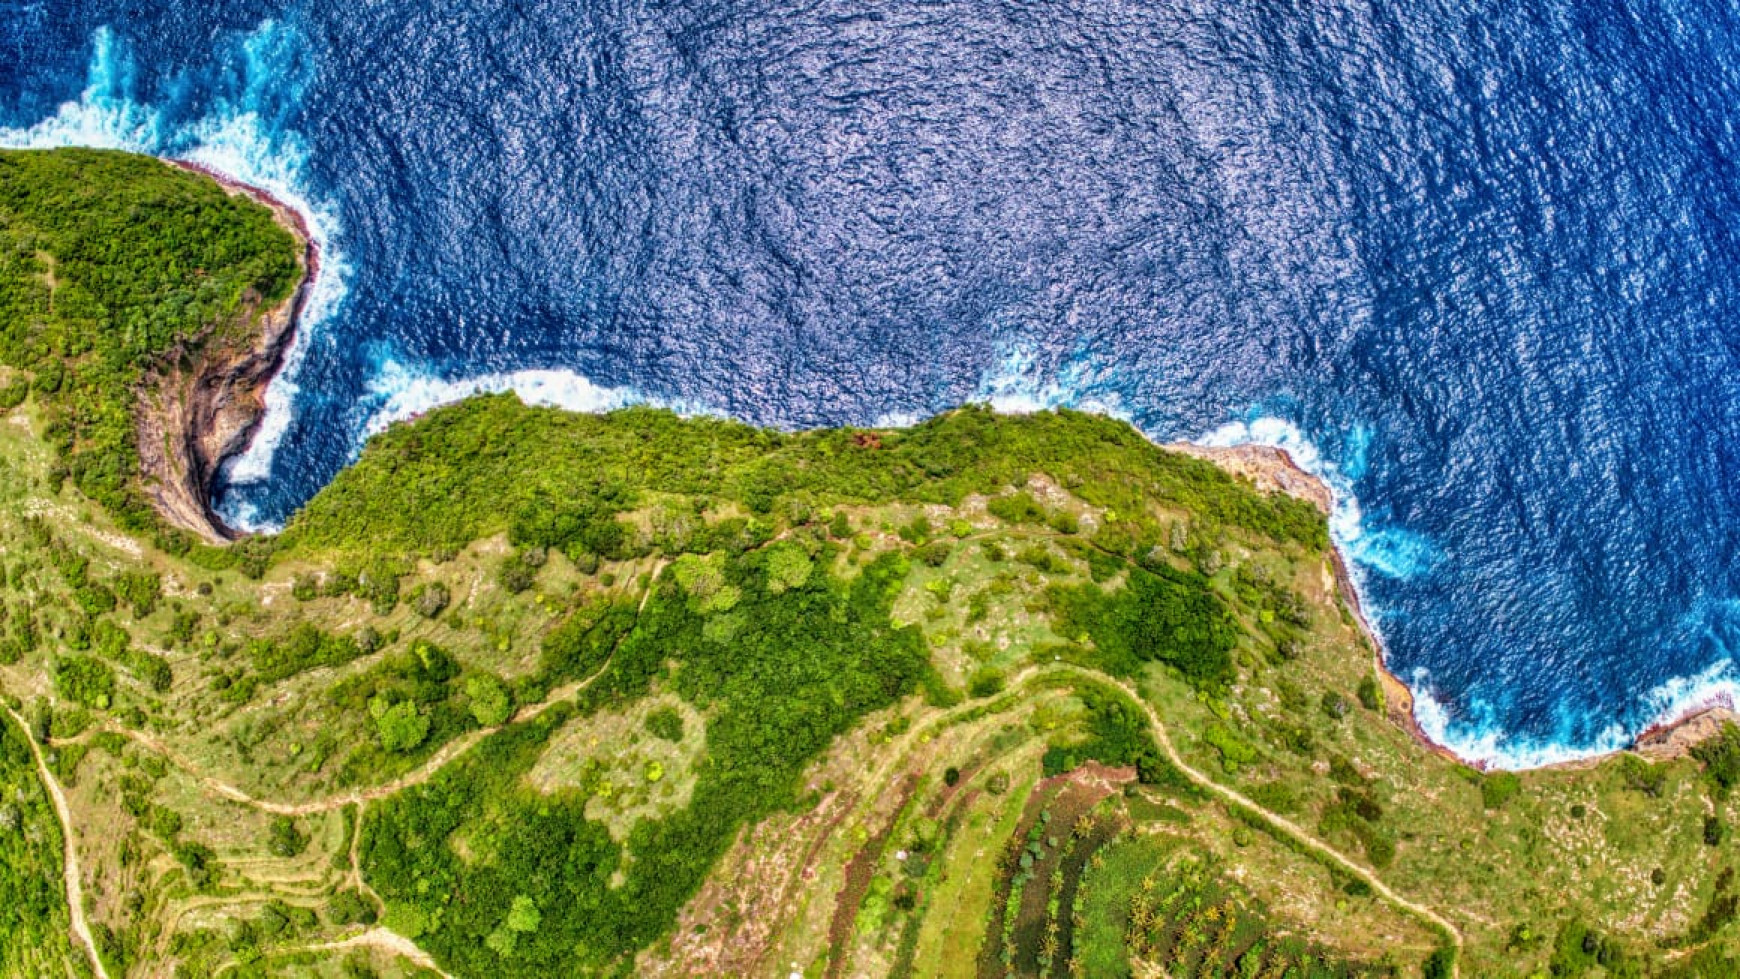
(202, 405)
(1272, 470)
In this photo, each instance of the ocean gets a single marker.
(1473, 263)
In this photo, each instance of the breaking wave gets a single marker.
(239, 131)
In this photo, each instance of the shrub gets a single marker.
(491, 702)
(1335, 706)
(401, 726)
(285, 838)
(1016, 508)
(1643, 776)
(666, 723)
(515, 575)
(1497, 788)
(935, 554)
(1371, 696)
(85, 680)
(1714, 831)
(348, 907)
(430, 599)
(1721, 757)
(985, 682)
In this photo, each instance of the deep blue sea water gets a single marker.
(1475, 262)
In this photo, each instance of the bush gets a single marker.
(1497, 788)
(430, 599)
(1371, 696)
(1714, 831)
(515, 575)
(666, 723)
(1016, 508)
(491, 702)
(401, 726)
(985, 682)
(1721, 757)
(1643, 776)
(85, 680)
(285, 838)
(349, 907)
(1335, 706)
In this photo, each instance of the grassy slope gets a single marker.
(870, 593)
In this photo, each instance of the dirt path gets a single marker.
(417, 776)
(75, 897)
(1279, 822)
(386, 941)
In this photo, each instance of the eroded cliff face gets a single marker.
(203, 404)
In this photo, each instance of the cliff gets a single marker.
(202, 404)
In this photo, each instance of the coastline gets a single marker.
(1273, 470)
(207, 408)
(203, 406)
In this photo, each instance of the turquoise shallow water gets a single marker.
(1476, 265)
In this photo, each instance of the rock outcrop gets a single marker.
(203, 404)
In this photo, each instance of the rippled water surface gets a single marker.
(1474, 262)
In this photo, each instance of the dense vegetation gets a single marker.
(786, 664)
(554, 478)
(108, 264)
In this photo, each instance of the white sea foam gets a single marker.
(1019, 387)
(404, 393)
(897, 419)
(238, 136)
(1473, 736)
(1390, 551)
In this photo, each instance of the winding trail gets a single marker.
(417, 776)
(75, 896)
(389, 941)
(1276, 820)
(1280, 823)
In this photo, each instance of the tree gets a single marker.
(523, 916)
(787, 567)
(491, 703)
(401, 727)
